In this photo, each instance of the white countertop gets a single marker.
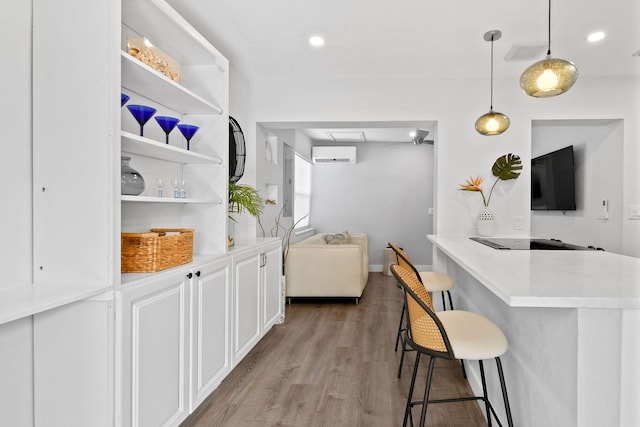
(538, 278)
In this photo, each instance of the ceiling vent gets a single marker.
(526, 52)
(348, 136)
(332, 154)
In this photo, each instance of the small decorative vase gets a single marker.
(486, 222)
(231, 228)
(131, 182)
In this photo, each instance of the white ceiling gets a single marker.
(412, 39)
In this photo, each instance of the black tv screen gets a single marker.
(553, 182)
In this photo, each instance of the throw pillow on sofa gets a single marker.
(338, 239)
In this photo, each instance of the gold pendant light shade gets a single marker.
(549, 77)
(492, 123)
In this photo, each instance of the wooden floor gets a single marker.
(332, 363)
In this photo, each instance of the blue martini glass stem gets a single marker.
(142, 114)
(188, 131)
(167, 124)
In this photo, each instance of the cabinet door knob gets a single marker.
(189, 276)
(198, 273)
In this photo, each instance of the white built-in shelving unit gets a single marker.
(201, 98)
(150, 347)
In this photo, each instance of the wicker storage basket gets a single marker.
(155, 250)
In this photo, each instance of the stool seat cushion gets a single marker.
(473, 336)
(436, 282)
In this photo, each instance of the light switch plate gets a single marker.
(634, 211)
(518, 222)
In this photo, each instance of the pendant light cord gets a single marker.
(549, 31)
(491, 104)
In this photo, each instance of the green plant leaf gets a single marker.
(244, 198)
(507, 167)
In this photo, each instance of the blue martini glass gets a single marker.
(123, 99)
(142, 114)
(167, 124)
(188, 131)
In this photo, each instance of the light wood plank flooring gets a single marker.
(332, 364)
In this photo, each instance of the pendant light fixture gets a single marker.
(492, 123)
(550, 76)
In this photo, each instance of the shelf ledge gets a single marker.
(26, 300)
(134, 144)
(149, 199)
(139, 77)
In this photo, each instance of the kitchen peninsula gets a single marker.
(572, 318)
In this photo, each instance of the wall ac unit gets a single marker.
(337, 154)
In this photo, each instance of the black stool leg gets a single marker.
(423, 417)
(400, 328)
(504, 392)
(444, 305)
(407, 410)
(450, 300)
(484, 393)
(404, 349)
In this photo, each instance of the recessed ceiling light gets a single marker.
(595, 37)
(316, 41)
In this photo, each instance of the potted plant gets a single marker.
(504, 168)
(243, 198)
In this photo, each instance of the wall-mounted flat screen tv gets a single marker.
(553, 181)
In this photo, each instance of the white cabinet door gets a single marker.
(72, 365)
(271, 287)
(211, 329)
(154, 351)
(246, 307)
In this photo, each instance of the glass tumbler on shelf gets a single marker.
(183, 189)
(159, 186)
(131, 182)
(176, 183)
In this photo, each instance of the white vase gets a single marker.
(486, 222)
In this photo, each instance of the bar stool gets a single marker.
(432, 282)
(450, 335)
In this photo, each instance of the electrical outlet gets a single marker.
(518, 222)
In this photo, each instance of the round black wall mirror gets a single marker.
(237, 152)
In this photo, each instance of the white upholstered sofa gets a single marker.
(314, 268)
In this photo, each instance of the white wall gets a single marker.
(240, 109)
(271, 173)
(598, 156)
(461, 151)
(386, 195)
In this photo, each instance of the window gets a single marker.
(302, 191)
